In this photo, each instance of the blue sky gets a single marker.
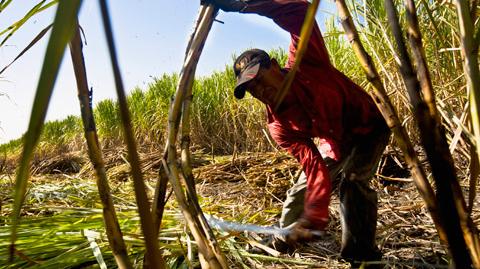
(151, 37)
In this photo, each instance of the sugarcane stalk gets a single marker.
(158, 204)
(159, 199)
(450, 199)
(305, 34)
(160, 189)
(190, 183)
(473, 10)
(474, 162)
(469, 48)
(185, 150)
(114, 234)
(415, 38)
(185, 110)
(196, 44)
(209, 257)
(62, 31)
(470, 231)
(383, 103)
(474, 173)
(186, 155)
(154, 256)
(201, 14)
(469, 42)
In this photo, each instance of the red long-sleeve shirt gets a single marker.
(325, 103)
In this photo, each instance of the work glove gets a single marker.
(303, 231)
(227, 5)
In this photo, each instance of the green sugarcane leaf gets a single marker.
(18, 24)
(4, 4)
(62, 31)
(30, 45)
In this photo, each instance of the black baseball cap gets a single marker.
(246, 68)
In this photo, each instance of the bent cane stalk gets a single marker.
(62, 31)
(450, 200)
(114, 234)
(382, 101)
(153, 253)
(208, 256)
(160, 189)
(197, 41)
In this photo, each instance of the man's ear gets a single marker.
(275, 63)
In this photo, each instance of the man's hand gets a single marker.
(227, 5)
(302, 231)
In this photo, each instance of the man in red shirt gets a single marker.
(321, 103)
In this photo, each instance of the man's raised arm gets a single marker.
(289, 15)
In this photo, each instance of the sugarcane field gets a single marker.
(239, 134)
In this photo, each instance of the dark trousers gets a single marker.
(358, 202)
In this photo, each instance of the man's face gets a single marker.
(266, 84)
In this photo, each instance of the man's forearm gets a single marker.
(288, 14)
(227, 5)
